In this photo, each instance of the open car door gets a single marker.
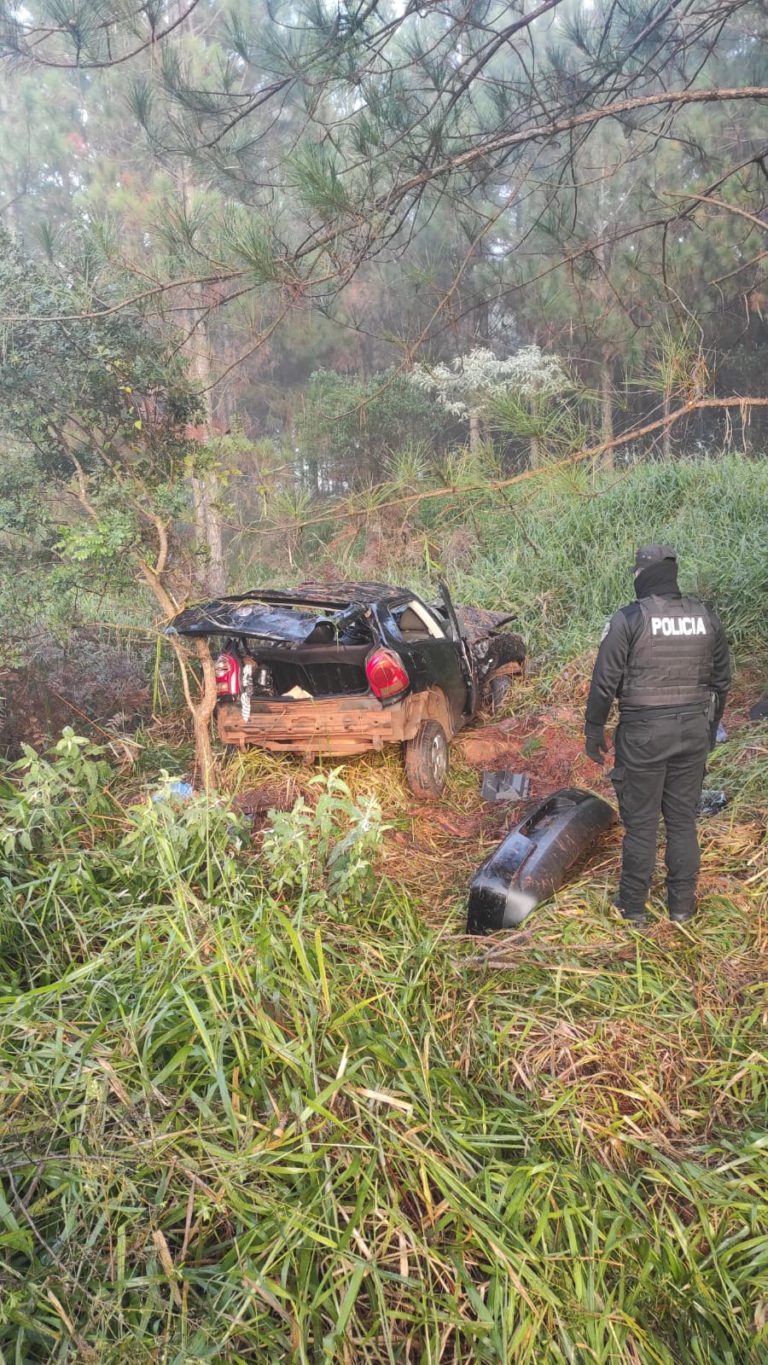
(465, 657)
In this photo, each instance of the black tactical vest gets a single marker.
(670, 662)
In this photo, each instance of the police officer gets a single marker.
(665, 658)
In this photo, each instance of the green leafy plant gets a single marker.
(171, 842)
(47, 802)
(322, 855)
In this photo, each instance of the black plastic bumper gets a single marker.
(535, 858)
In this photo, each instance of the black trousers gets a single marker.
(660, 765)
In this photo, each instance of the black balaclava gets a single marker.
(660, 578)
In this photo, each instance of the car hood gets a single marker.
(477, 623)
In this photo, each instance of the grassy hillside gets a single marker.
(560, 550)
(581, 536)
(263, 1101)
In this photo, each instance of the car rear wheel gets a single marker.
(426, 759)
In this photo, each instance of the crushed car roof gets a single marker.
(335, 594)
(292, 615)
(276, 615)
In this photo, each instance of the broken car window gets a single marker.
(415, 622)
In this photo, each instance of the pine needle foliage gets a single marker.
(316, 178)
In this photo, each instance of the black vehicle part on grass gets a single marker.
(760, 710)
(535, 858)
(712, 801)
(505, 786)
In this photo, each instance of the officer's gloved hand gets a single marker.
(595, 745)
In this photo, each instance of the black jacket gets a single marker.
(623, 635)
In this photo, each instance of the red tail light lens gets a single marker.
(386, 674)
(227, 675)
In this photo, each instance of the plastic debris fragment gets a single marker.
(182, 791)
(712, 801)
(505, 786)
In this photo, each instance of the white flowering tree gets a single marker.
(471, 386)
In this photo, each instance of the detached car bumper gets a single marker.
(329, 725)
(535, 858)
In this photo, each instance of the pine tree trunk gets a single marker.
(211, 573)
(475, 430)
(606, 410)
(8, 216)
(536, 453)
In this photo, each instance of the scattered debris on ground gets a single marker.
(712, 801)
(505, 786)
(547, 742)
(433, 848)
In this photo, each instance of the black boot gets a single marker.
(682, 914)
(634, 919)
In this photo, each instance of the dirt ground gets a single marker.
(545, 744)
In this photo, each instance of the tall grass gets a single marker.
(261, 1102)
(573, 568)
(257, 1110)
(559, 551)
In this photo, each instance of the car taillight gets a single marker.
(386, 674)
(227, 675)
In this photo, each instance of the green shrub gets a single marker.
(321, 856)
(47, 802)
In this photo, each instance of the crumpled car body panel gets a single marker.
(312, 642)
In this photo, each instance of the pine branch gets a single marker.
(26, 45)
(594, 452)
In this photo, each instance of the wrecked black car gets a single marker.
(344, 668)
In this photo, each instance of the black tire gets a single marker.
(499, 691)
(426, 759)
